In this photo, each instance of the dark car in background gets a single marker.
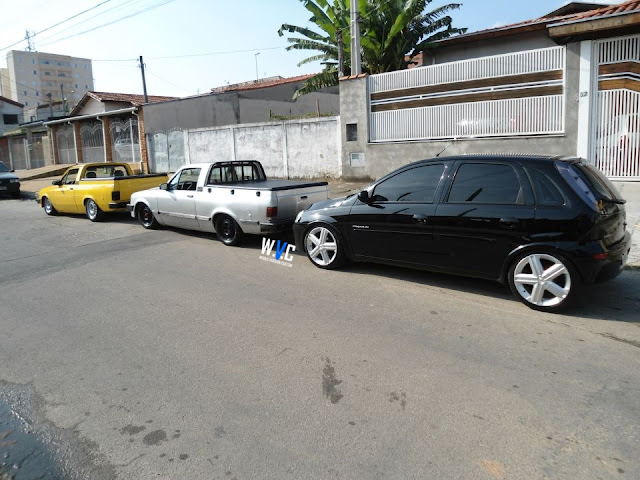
(544, 225)
(9, 182)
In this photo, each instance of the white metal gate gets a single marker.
(92, 142)
(66, 144)
(125, 140)
(616, 133)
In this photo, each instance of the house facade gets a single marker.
(103, 127)
(564, 84)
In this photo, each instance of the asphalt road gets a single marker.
(166, 355)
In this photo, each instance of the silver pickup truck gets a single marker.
(228, 198)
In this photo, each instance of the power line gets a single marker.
(250, 50)
(59, 23)
(153, 7)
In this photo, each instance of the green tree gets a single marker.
(392, 33)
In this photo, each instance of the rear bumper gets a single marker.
(118, 205)
(273, 227)
(597, 271)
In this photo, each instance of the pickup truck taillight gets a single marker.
(115, 196)
(272, 212)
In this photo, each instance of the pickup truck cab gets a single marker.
(228, 198)
(95, 188)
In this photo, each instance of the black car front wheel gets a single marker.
(324, 247)
(146, 217)
(543, 281)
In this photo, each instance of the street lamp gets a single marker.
(256, 56)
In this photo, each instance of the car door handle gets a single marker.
(420, 218)
(509, 222)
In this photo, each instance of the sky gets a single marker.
(191, 46)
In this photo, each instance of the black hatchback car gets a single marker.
(544, 225)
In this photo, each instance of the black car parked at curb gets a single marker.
(544, 225)
(9, 182)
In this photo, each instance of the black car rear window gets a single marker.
(588, 182)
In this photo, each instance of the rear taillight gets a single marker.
(600, 256)
(272, 212)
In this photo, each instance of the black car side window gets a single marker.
(415, 185)
(486, 183)
(545, 189)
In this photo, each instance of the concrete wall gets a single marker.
(9, 109)
(307, 148)
(496, 46)
(232, 108)
(380, 159)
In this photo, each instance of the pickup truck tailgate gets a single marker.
(294, 197)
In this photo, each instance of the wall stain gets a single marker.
(402, 398)
(219, 432)
(329, 382)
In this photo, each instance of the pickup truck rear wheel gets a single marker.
(146, 218)
(93, 211)
(324, 247)
(48, 207)
(228, 230)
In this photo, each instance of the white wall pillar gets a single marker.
(586, 100)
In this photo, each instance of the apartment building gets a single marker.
(36, 78)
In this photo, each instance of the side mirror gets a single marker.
(56, 182)
(364, 197)
(163, 186)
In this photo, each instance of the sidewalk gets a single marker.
(32, 181)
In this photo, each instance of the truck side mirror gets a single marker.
(163, 186)
(56, 182)
(363, 196)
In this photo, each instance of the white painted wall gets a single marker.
(308, 148)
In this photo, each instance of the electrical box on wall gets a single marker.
(356, 159)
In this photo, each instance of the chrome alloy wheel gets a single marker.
(321, 246)
(542, 280)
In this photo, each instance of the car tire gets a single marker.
(48, 207)
(324, 246)
(543, 281)
(93, 211)
(228, 231)
(146, 217)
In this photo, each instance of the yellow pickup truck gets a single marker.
(95, 188)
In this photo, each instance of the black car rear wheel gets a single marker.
(324, 247)
(543, 281)
(228, 230)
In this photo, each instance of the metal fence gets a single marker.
(501, 95)
(66, 144)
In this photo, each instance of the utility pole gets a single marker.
(144, 82)
(256, 55)
(340, 53)
(27, 37)
(50, 105)
(356, 61)
(64, 100)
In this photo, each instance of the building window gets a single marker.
(37, 94)
(26, 104)
(10, 119)
(352, 132)
(48, 74)
(35, 73)
(76, 85)
(25, 92)
(61, 74)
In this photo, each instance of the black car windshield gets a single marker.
(3, 169)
